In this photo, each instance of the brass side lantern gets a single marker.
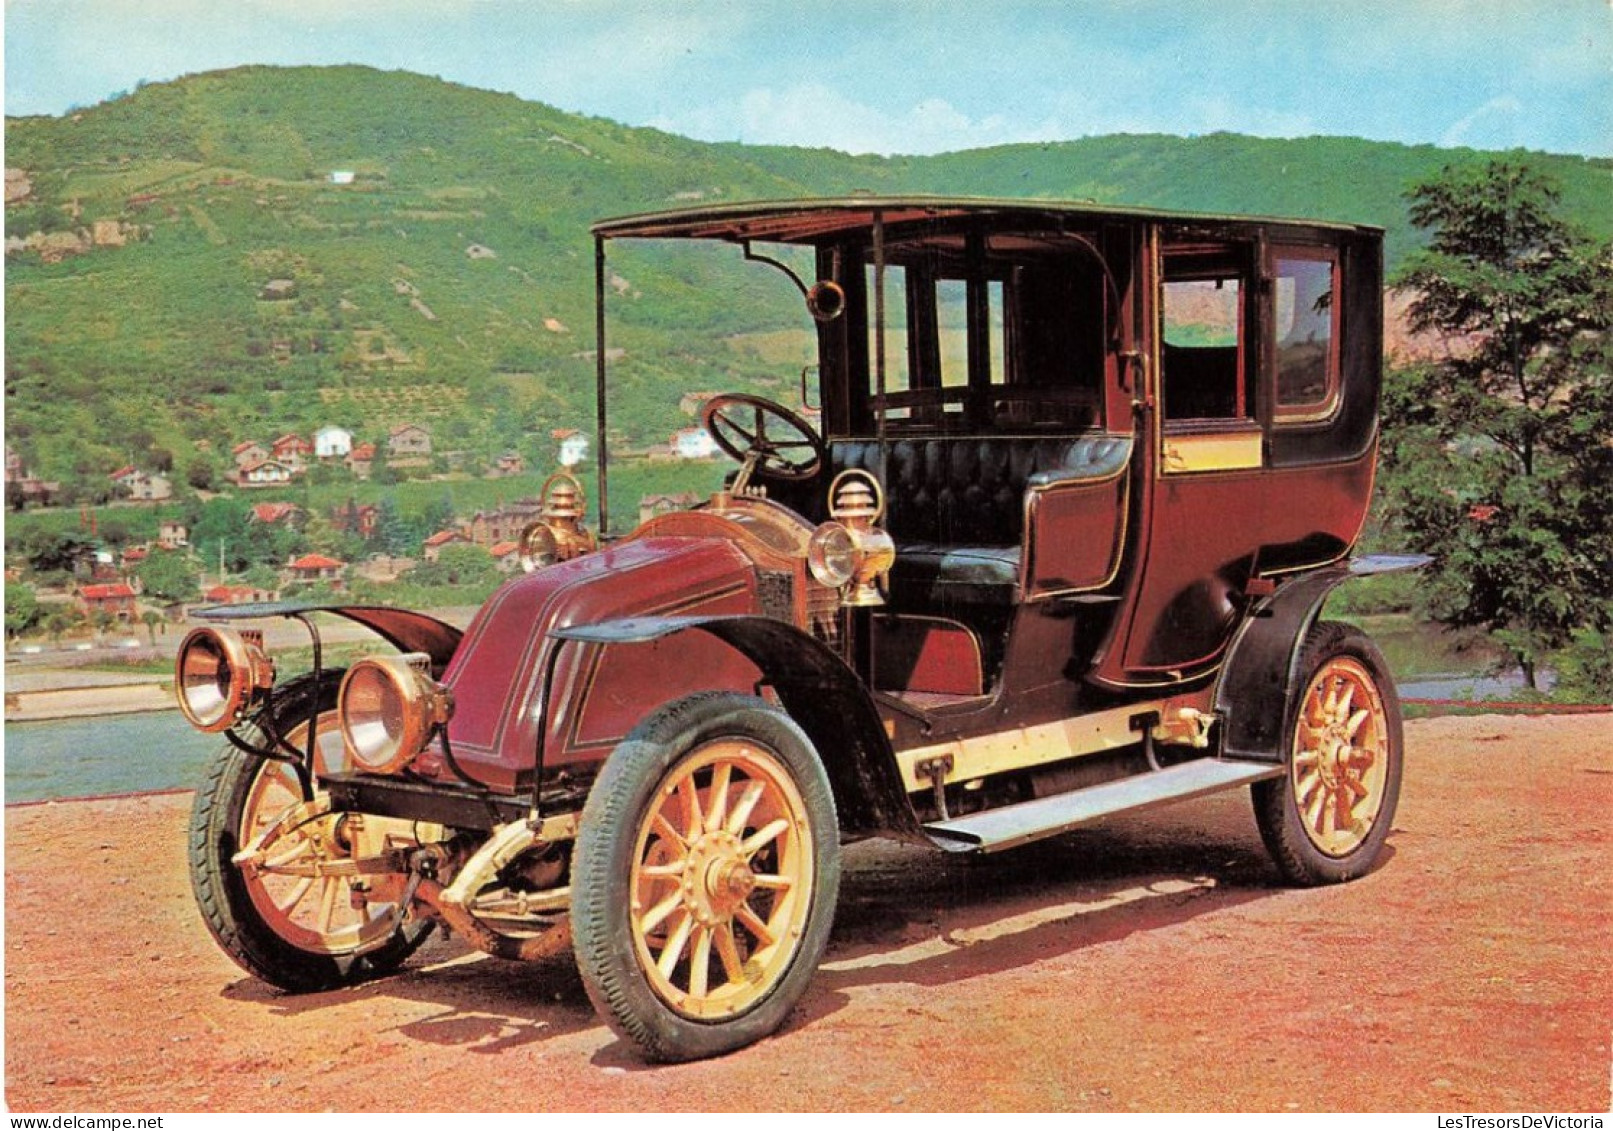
(220, 674)
(849, 552)
(559, 534)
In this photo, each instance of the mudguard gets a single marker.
(818, 691)
(404, 630)
(1258, 685)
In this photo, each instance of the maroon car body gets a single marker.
(1058, 548)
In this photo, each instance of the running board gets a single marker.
(1012, 825)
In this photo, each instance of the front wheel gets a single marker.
(705, 876)
(304, 920)
(1326, 818)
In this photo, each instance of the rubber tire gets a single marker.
(1282, 826)
(602, 860)
(220, 889)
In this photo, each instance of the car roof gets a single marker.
(815, 220)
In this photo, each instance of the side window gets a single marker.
(1204, 361)
(898, 372)
(1305, 312)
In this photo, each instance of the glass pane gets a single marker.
(897, 377)
(952, 322)
(1306, 368)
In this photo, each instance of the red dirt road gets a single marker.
(1147, 963)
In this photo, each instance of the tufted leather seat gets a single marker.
(957, 505)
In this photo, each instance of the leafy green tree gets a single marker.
(1496, 465)
(22, 609)
(56, 552)
(169, 576)
(459, 564)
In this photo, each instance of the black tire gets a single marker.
(1325, 820)
(675, 852)
(232, 906)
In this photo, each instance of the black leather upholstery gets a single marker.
(956, 505)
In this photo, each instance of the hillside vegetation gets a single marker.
(236, 291)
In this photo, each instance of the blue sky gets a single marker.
(909, 77)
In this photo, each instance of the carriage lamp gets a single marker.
(849, 552)
(219, 675)
(388, 707)
(559, 534)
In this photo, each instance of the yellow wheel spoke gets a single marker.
(1356, 721)
(747, 804)
(694, 820)
(728, 952)
(774, 883)
(656, 915)
(763, 837)
(718, 807)
(700, 963)
(668, 833)
(753, 924)
(675, 943)
(327, 905)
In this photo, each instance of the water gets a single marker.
(113, 754)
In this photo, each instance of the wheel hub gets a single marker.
(716, 878)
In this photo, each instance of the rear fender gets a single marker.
(1257, 690)
(816, 689)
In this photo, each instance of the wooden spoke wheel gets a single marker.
(301, 918)
(1326, 819)
(705, 876)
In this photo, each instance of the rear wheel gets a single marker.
(303, 920)
(705, 877)
(1326, 818)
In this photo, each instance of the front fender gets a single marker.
(816, 688)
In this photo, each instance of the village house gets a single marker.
(115, 599)
(351, 518)
(23, 488)
(293, 451)
(573, 446)
(510, 463)
(172, 534)
(275, 514)
(653, 506)
(332, 442)
(408, 445)
(506, 555)
(431, 549)
(269, 473)
(248, 452)
(315, 567)
(504, 524)
(238, 595)
(361, 459)
(693, 443)
(142, 486)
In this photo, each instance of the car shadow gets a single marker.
(906, 915)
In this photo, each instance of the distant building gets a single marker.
(341, 176)
(142, 486)
(238, 595)
(693, 443)
(315, 567)
(361, 459)
(408, 444)
(653, 506)
(276, 514)
(573, 446)
(268, 473)
(116, 599)
(23, 488)
(352, 518)
(506, 555)
(293, 451)
(332, 442)
(248, 452)
(510, 463)
(431, 550)
(504, 523)
(172, 534)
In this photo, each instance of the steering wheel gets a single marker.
(797, 454)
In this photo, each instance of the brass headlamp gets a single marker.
(559, 534)
(388, 708)
(219, 675)
(849, 552)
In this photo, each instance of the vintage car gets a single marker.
(1058, 549)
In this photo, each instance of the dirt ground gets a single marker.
(1150, 962)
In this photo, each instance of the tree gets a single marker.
(169, 576)
(1496, 464)
(22, 609)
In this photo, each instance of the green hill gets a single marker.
(231, 288)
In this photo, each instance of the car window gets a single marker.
(1305, 310)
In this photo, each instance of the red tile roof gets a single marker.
(316, 561)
